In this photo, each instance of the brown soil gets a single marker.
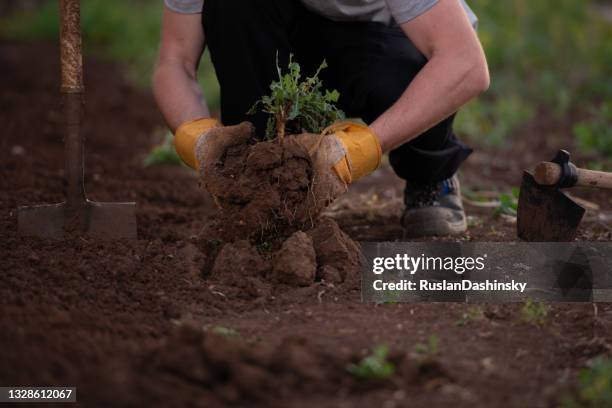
(154, 322)
(261, 187)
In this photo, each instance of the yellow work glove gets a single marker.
(187, 135)
(341, 154)
(363, 152)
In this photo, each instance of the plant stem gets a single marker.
(281, 121)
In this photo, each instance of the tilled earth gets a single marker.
(136, 323)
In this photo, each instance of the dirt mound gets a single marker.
(235, 371)
(296, 262)
(238, 371)
(323, 253)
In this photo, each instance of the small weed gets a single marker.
(534, 312)
(163, 153)
(297, 106)
(594, 386)
(508, 203)
(427, 351)
(374, 366)
(226, 332)
(473, 313)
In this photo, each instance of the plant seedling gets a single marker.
(297, 106)
(374, 366)
(534, 312)
(427, 351)
(595, 386)
(508, 203)
(473, 313)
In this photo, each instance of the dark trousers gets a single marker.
(370, 64)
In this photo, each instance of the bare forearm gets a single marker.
(456, 71)
(178, 94)
(439, 90)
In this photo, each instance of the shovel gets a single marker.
(77, 215)
(545, 212)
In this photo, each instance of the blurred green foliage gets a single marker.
(163, 153)
(552, 56)
(547, 57)
(535, 313)
(373, 366)
(508, 203)
(595, 386)
(595, 133)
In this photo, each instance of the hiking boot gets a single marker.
(434, 209)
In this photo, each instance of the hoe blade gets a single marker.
(99, 220)
(545, 213)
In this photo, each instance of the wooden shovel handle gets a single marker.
(70, 46)
(71, 60)
(548, 174)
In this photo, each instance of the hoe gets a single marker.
(77, 215)
(545, 213)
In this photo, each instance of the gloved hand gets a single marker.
(342, 154)
(188, 134)
(211, 149)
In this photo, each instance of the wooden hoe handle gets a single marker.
(548, 174)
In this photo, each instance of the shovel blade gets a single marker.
(43, 221)
(545, 213)
(98, 220)
(111, 220)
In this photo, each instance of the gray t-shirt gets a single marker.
(382, 11)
